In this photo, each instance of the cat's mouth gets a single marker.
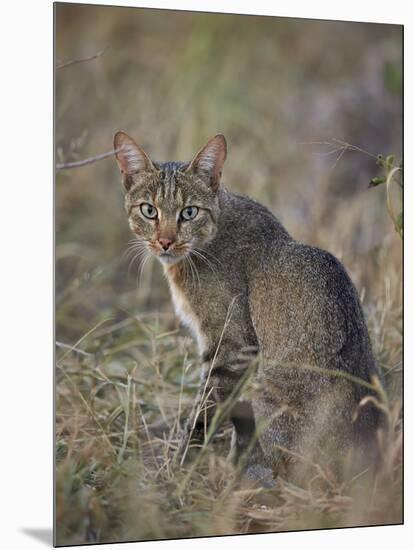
(169, 258)
(172, 255)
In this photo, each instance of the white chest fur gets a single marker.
(186, 314)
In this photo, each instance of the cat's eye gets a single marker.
(148, 210)
(189, 213)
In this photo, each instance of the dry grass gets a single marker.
(116, 480)
(123, 364)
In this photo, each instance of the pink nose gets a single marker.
(165, 243)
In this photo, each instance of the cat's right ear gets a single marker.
(130, 157)
(208, 162)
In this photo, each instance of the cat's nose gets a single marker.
(165, 243)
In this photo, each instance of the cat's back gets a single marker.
(300, 295)
(246, 224)
(250, 224)
(303, 304)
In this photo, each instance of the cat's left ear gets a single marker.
(208, 162)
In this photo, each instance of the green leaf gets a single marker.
(389, 161)
(377, 181)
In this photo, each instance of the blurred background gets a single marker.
(286, 93)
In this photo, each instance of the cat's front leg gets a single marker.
(223, 378)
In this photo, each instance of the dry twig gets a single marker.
(81, 60)
(84, 162)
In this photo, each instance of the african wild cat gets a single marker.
(292, 304)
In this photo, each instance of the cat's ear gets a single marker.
(208, 162)
(130, 157)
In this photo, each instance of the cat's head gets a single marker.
(172, 207)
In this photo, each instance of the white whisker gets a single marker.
(193, 266)
(204, 251)
(205, 260)
(138, 255)
(141, 269)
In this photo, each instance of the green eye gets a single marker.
(189, 213)
(148, 210)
